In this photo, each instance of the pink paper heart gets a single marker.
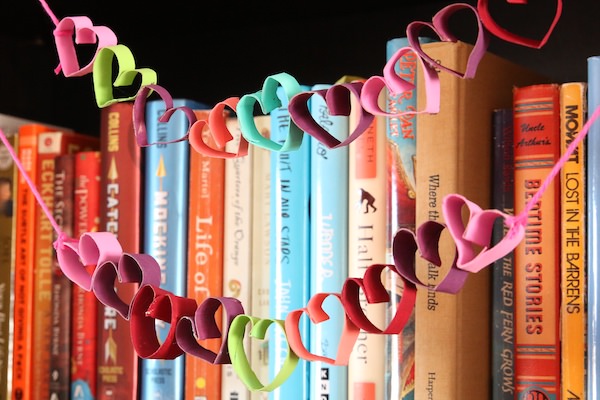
(85, 33)
(440, 25)
(93, 248)
(473, 239)
(140, 269)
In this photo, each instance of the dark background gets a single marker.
(213, 50)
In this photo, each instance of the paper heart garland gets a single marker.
(268, 100)
(489, 22)
(337, 99)
(85, 33)
(440, 25)
(127, 72)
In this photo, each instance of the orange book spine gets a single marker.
(205, 258)
(536, 150)
(573, 238)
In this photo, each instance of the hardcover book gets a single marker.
(452, 353)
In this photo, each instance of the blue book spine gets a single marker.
(328, 247)
(165, 232)
(593, 230)
(290, 259)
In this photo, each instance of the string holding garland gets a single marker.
(191, 322)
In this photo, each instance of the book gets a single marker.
(205, 257)
(261, 250)
(452, 352)
(62, 287)
(573, 324)
(84, 306)
(166, 180)
(328, 245)
(537, 260)
(367, 227)
(50, 145)
(237, 245)
(121, 210)
(290, 246)
(503, 338)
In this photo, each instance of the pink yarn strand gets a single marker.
(49, 12)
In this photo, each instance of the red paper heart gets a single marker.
(504, 34)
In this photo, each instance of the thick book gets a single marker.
(452, 352)
(205, 257)
(237, 246)
(503, 337)
(62, 287)
(367, 246)
(121, 190)
(290, 235)
(166, 183)
(328, 246)
(261, 250)
(537, 258)
(84, 306)
(573, 318)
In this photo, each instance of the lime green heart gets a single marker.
(127, 72)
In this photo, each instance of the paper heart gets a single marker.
(337, 99)
(239, 358)
(139, 114)
(473, 240)
(152, 303)
(396, 85)
(126, 74)
(269, 100)
(406, 243)
(314, 310)
(140, 269)
(376, 292)
(440, 25)
(217, 130)
(85, 33)
(205, 326)
(491, 24)
(77, 257)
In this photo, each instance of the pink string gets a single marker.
(34, 190)
(49, 12)
(521, 218)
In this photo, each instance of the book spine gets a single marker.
(593, 231)
(8, 177)
(165, 230)
(261, 231)
(328, 246)
(290, 246)
(205, 258)
(367, 246)
(573, 233)
(537, 308)
(503, 350)
(84, 305)
(237, 245)
(63, 213)
(121, 212)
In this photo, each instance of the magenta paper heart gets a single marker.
(140, 269)
(85, 33)
(440, 25)
(314, 310)
(396, 85)
(205, 326)
(489, 22)
(376, 292)
(426, 241)
(139, 114)
(338, 101)
(473, 240)
(77, 257)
